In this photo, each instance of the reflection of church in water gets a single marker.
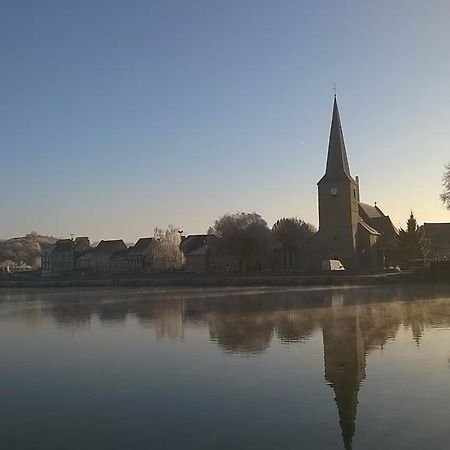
(350, 332)
(351, 326)
(345, 362)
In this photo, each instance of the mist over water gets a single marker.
(260, 368)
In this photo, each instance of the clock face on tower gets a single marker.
(333, 191)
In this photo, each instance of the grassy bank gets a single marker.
(212, 280)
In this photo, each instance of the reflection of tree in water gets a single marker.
(110, 312)
(353, 322)
(71, 311)
(352, 325)
(247, 333)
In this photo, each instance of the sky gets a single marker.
(120, 116)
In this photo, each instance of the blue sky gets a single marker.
(119, 116)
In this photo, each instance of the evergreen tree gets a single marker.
(413, 244)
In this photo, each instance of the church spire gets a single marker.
(337, 162)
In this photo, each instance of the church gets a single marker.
(355, 233)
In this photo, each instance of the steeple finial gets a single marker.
(334, 90)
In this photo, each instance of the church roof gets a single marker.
(337, 162)
(385, 226)
(370, 211)
(369, 228)
(376, 219)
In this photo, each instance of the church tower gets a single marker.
(338, 202)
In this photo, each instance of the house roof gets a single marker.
(439, 235)
(109, 247)
(141, 246)
(79, 245)
(437, 227)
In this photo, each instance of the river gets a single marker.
(253, 368)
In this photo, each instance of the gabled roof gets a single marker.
(337, 162)
(109, 247)
(369, 211)
(385, 226)
(141, 246)
(376, 219)
(79, 245)
(437, 227)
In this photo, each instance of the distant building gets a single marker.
(136, 259)
(60, 257)
(201, 255)
(98, 260)
(350, 231)
(439, 236)
(195, 253)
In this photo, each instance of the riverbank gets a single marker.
(214, 280)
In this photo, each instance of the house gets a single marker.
(438, 235)
(60, 257)
(195, 253)
(136, 259)
(200, 254)
(98, 260)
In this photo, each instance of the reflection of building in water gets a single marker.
(345, 362)
(353, 322)
(170, 317)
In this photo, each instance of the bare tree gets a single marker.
(445, 196)
(167, 254)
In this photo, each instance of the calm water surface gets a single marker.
(362, 368)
